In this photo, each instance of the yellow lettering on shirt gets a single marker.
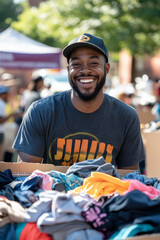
(60, 146)
(92, 150)
(67, 155)
(71, 150)
(76, 150)
(83, 150)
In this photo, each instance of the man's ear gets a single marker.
(107, 67)
(68, 67)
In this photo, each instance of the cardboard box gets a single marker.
(25, 169)
(152, 148)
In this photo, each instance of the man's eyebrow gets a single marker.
(94, 57)
(76, 58)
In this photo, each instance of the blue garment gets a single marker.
(8, 232)
(31, 184)
(7, 192)
(19, 228)
(132, 230)
(136, 175)
(6, 177)
(71, 181)
(143, 178)
(134, 207)
(25, 198)
(16, 184)
(84, 169)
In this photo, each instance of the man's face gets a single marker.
(87, 72)
(40, 85)
(4, 96)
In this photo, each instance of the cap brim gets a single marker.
(68, 49)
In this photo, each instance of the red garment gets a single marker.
(3, 197)
(31, 232)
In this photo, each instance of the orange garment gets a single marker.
(99, 184)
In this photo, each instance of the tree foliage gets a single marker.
(123, 24)
(8, 13)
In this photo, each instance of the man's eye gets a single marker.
(93, 64)
(75, 65)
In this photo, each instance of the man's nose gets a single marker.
(85, 68)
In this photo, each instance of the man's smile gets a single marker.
(86, 80)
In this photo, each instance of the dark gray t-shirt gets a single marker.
(55, 130)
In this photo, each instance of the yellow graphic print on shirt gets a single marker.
(78, 147)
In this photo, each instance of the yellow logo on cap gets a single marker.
(83, 38)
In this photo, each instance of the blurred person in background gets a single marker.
(156, 107)
(4, 93)
(33, 92)
(126, 94)
(46, 90)
(126, 98)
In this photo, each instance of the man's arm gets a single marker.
(28, 158)
(14, 115)
(135, 167)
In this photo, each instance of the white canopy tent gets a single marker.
(18, 51)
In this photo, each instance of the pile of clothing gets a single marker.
(91, 201)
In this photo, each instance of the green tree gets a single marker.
(134, 25)
(123, 24)
(8, 13)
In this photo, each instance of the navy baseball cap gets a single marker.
(86, 40)
(3, 89)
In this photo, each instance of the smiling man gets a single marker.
(87, 72)
(83, 123)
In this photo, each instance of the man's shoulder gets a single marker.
(61, 95)
(46, 106)
(118, 104)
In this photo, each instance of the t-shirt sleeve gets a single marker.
(30, 138)
(132, 150)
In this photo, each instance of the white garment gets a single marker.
(45, 93)
(2, 114)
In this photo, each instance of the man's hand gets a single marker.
(135, 167)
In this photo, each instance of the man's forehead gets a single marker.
(85, 51)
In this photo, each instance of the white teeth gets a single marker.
(86, 80)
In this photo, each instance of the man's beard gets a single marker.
(88, 97)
